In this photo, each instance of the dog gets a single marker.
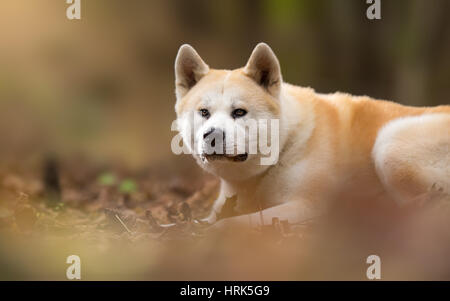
(330, 146)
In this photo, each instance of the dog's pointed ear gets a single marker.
(264, 68)
(189, 69)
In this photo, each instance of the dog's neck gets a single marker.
(298, 119)
(295, 108)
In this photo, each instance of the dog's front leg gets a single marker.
(293, 212)
(226, 191)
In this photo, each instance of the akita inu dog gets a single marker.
(331, 147)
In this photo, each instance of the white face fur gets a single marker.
(223, 115)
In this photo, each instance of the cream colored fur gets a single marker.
(334, 147)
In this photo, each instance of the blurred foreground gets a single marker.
(110, 216)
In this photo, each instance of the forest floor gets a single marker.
(114, 220)
(107, 211)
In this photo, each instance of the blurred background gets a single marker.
(104, 85)
(96, 96)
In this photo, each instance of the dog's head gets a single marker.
(229, 118)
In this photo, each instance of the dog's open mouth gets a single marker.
(233, 158)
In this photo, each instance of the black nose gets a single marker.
(208, 132)
(214, 134)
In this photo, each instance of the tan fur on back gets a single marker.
(333, 147)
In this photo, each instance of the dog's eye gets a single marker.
(238, 113)
(204, 113)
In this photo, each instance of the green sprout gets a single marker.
(128, 186)
(107, 179)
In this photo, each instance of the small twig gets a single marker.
(261, 214)
(167, 225)
(123, 224)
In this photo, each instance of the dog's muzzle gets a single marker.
(214, 147)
